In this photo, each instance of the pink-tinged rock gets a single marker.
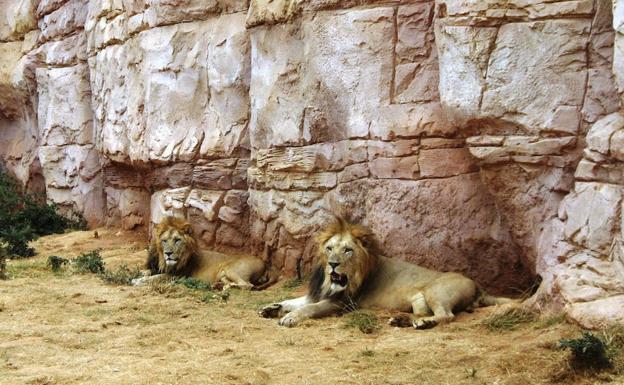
(353, 172)
(616, 145)
(127, 208)
(17, 18)
(600, 133)
(174, 176)
(588, 171)
(396, 148)
(592, 215)
(395, 168)
(271, 11)
(282, 180)
(169, 203)
(528, 196)
(416, 69)
(463, 54)
(322, 156)
(514, 69)
(135, 83)
(70, 17)
(448, 224)
(67, 52)
(61, 122)
(438, 163)
(208, 202)
(214, 175)
(599, 313)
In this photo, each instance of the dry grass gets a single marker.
(75, 329)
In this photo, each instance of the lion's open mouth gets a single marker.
(337, 278)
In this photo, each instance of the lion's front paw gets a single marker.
(424, 323)
(401, 321)
(289, 320)
(271, 311)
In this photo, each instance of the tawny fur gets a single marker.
(351, 274)
(173, 240)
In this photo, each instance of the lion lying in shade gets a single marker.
(351, 274)
(173, 253)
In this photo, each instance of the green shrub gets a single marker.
(25, 216)
(90, 262)
(56, 263)
(588, 352)
(122, 276)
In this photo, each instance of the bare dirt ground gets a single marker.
(67, 328)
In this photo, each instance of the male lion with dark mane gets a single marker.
(173, 253)
(352, 274)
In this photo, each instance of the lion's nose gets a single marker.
(168, 253)
(334, 265)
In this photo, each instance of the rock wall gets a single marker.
(480, 137)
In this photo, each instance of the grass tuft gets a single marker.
(508, 319)
(56, 263)
(366, 322)
(122, 276)
(90, 262)
(292, 284)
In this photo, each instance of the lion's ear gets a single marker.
(187, 229)
(363, 234)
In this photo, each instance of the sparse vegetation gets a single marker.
(367, 353)
(90, 262)
(56, 263)
(588, 352)
(123, 275)
(192, 283)
(292, 284)
(509, 319)
(25, 216)
(365, 321)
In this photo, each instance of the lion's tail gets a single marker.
(484, 299)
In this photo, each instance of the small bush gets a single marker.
(508, 319)
(122, 276)
(366, 322)
(90, 262)
(25, 216)
(56, 263)
(588, 352)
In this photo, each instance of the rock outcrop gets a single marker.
(475, 136)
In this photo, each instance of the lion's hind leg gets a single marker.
(447, 293)
(232, 279)
(419, 309)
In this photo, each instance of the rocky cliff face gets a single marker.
(475, 136)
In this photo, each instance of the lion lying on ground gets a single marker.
(351, 274)
(173, 253)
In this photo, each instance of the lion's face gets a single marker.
(174, 244)
(346, 260)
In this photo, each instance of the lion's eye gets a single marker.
(328, 248)
(177, 240)
(164, 242)
(348, 250)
